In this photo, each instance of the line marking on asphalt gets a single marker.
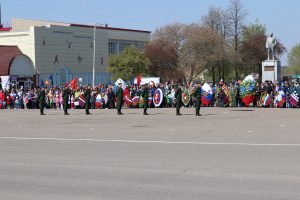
(147, 141)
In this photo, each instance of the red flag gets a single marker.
(73, 83)
(139, 79)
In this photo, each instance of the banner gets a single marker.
(207, 94)
(265, 99)
(158, 97)
(98, 101)
(5, 82)
(294, 99)
(73, 84)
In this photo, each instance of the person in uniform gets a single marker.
(87, 98)
(178, 96)
(197, 96)
(232, 92)
(42, 99)
(119, 95)
(145, 95)
(65, 96)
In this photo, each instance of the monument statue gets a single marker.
(270, 45)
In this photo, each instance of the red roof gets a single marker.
(5, 29)
(7, 55)
(110, 28)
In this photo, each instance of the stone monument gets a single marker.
(271, 68)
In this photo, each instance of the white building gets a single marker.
(65, 51)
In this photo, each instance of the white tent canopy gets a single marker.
(120, 81)
(144, 80)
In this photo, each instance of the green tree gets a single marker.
(253, 30)
(128, 64)
(253, 49)
(294, 59)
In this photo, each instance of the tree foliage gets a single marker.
(222, 46)
(163, 58)
(201, 47)
(128, 64)
(237, 14)
(182, 52)
(253, 50)
(294, 59)
(217, 19)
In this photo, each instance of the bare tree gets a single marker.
(218, 20)
(164, 60)
(200, 47)
(237, 15)
(163, 52)
(172, 33)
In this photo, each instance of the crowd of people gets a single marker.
(104, 96)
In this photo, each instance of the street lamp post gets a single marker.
(94, 55)
(94, 52)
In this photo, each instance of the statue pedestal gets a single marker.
(271, 70)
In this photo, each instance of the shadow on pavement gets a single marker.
(246, 110)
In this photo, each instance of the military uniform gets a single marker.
(87, 98)
(197, 96)
(119, 100)
(65, 96)
(233, 93)
(145, 95)
(42, 99)
(178, 96)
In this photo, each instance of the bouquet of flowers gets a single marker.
(247, 90)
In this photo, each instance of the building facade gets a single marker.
(65, 51)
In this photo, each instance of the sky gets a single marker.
(280, 17)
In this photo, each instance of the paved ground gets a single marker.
(227, 153)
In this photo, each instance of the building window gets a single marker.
(113, 48)
(117, 47)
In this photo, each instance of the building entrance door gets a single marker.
(21, 84)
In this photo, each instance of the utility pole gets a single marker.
(1, 26)
(94, 55)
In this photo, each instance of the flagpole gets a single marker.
(94, 55)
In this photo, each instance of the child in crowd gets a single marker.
(57, 101)
(17, 103)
